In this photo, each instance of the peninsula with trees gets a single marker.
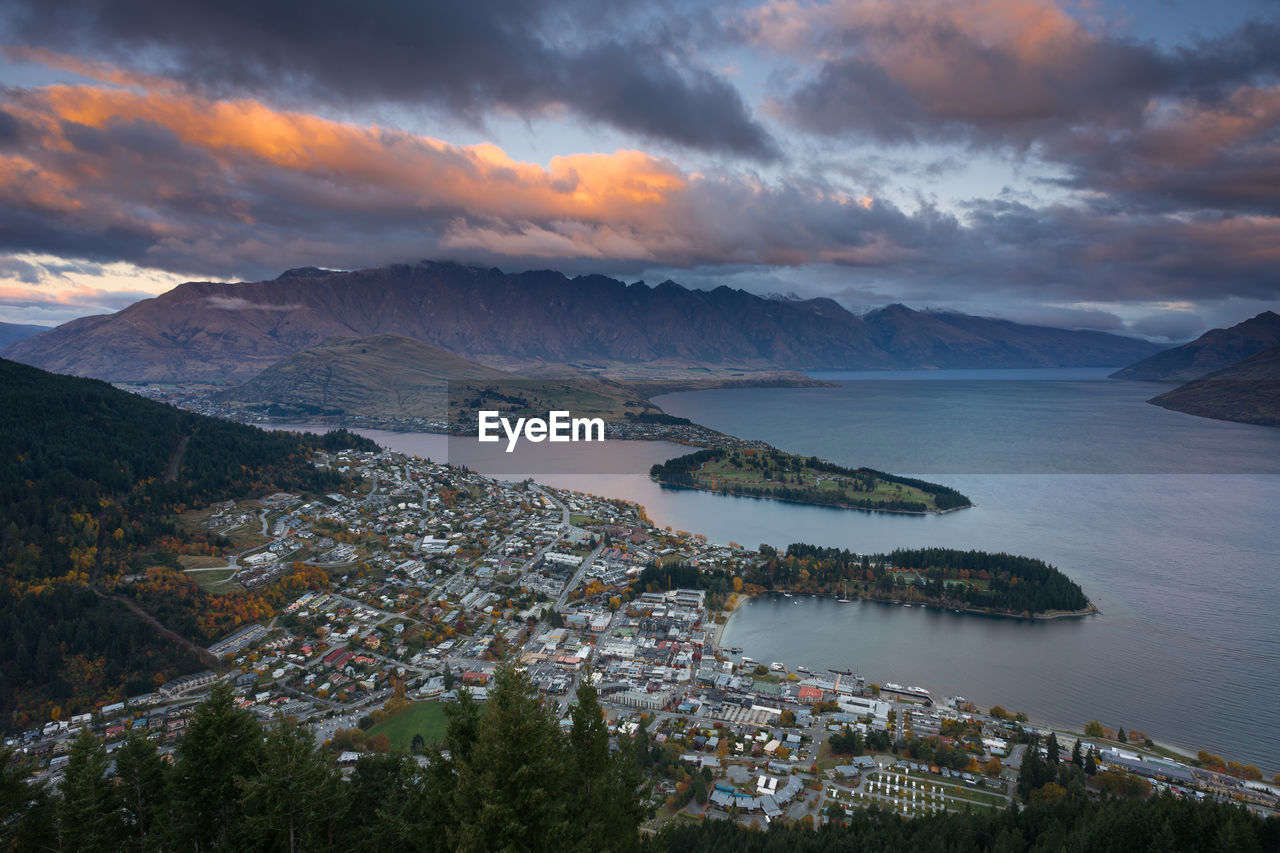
(771, 473)
(967, 581)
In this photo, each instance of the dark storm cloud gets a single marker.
(201, 187)
(1068, 253)
(10, 129)
(1012, 72)
(43, 230)
(526, 56)
(1223, 155)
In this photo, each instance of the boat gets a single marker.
(778, 667)
(802, 669)
(911, 692)
(786, 595)
(843, 601)
(841, 671)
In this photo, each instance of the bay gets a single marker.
(1168, 521)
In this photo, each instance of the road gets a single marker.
(577, 576)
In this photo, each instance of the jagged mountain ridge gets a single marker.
(204, 331)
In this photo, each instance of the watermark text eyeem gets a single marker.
(557, 426)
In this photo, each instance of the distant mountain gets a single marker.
(1247, 391)
(952, 340)
(201, 331)
(387, 377)
(1214, 350)
(11, 333)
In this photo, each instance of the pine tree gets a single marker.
(512, 792)
(448, 676)
(295, 800)
(641, 743)
(605, 785)
(142, 787)
(387, 808)
(1120, 736)
(1077, 756)
(1033, 773)
(1090, 764)
(1052, 750)
(222, 745)
(87, 819)
(462, 727)
(699, 789)
(26, 812)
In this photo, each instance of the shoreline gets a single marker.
(738, 599)
(1048, 616)
(667, 485)
(1184, 754)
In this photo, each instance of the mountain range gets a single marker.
(1215, 350)
(228, 333)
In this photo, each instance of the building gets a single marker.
(229, 646)
(808, 695)
(187, 684)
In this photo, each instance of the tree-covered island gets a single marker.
(971, 581)
(771, 473)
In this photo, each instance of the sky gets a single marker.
(1100, 165)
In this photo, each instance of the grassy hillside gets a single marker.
(389, 377)
(383, 376)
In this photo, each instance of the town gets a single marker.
(434, 575)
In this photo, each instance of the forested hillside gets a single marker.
(89, 480)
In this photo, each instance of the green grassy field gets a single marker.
(216, 581)
(424, 718)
